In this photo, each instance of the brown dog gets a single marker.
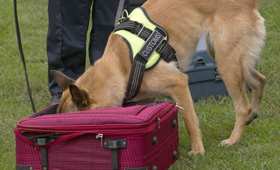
(234, 31)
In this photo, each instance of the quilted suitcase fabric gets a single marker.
(135, 137)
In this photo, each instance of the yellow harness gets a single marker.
(135, 42)
(148, 43)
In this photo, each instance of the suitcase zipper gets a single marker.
(101, 134)
(177, 105)
(65, 130)
(101, 137)
(158, 120)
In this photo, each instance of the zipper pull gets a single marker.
(158, 120)
(177, 105)
(101, 137)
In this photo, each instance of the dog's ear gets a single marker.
(79, 97)
(61, 79)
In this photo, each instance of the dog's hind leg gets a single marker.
(236, 52)
(232, 72)
(233, 77)
(255, 79)
(257, 82)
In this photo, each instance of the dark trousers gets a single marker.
(67, 34)
(136, 3)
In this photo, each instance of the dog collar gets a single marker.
(145, 38)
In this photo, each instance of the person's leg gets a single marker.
(66, 40)
(136, 3)
(103, 22)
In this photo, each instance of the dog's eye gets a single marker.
(82, 106)
(79, 103)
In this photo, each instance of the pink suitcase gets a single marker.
(139, 137)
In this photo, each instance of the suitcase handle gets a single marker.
(66, 138)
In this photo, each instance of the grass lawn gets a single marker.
(259, 147)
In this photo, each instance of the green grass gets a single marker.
(259, 146)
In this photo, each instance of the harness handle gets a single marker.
(119, 11)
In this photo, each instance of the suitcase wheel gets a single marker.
(175, 154)
(174, 123)
(155, 140)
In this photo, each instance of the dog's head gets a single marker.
(90, 91)
(73, 98)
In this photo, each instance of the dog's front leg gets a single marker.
(181, 94)
(166, 79)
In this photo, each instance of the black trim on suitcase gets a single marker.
(129, 104)
(44, 160)
(50, 137)
(47, 111)
(143, 168)
(24, 167)
(114, 145)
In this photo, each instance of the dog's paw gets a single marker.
(253, 116)
(227, 142)
(196, 152)
(197, 148)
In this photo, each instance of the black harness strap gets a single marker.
(135, 28)
(153, 42)
(167, 53)
(135, 77)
